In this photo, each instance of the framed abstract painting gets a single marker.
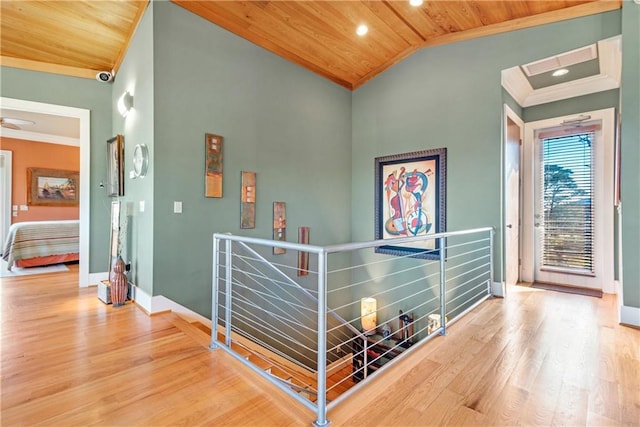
(410, 200)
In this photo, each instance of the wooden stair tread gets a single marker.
(338, 381)
(189, 329)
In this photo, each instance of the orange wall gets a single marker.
(30, 154)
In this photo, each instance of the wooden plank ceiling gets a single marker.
(83, 37)
(77, 38)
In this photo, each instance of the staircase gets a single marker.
(300, 380)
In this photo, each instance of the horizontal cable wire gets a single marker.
(275, 350)
(261, 326)
(466, 272)
(419, 266)
(469, 281)
(452, 257)
(457, 245)
(377, 294)
(297, 299)
(287, 305)
(484, 285)
(464, 303)
(287, 369)
(308, 294)
(282, 309)
(261, 274)
(248, 321)
(311, 319)
(451, 267)
(268, 296)
(390, 289)
(263, 310)
(383, 261)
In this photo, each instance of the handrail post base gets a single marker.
(325, 424)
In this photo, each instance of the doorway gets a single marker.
(513, 134)
(568, 201)
(83, 116)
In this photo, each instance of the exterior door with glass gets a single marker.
(572, 227)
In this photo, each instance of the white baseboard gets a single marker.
(160, 303)
(95, 278)
(630, 316)
(497, 289)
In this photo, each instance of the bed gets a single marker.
(37, 243)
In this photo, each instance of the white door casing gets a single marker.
(513, 134)
(6, 162)
(85, 160)
(603, 201)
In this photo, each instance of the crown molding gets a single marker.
(610, 61)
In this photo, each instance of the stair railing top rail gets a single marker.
(344, 247)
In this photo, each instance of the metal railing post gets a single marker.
(364, 356)
(492, 234)
(322, 341)
(443, 296)
(214, 293)
(227, 317)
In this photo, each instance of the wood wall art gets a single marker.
(248, 200)
(52, 187)
(303, 257)
(279, 225)
(213, 165)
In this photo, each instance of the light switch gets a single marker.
(24, 207)
(141, 205)
(14, 213)
(177, 207)
(14, 207)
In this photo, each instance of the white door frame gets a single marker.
(605, 241)
(7, 183)
(85, 160)
(509, 113)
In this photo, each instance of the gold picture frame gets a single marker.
(52, 187)
(115, 166)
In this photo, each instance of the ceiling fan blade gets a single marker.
(9, 125)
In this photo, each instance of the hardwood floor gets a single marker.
(535, 358)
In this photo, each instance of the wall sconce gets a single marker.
(368, 307)
(125, 103)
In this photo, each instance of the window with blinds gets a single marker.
(567, 202)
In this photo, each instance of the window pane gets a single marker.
(567, 175)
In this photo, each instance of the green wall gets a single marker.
(451, 96)
(579, 104)
(630, 146)
(80, 93)
(136, 75)
(291, 127)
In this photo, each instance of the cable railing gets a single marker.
(321, 336)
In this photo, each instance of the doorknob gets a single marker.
(509, 226)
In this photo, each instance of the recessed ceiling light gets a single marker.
(560, 72)
(415, 3)
(362, 30)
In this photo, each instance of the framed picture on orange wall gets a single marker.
(52, 187)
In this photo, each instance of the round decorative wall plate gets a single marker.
(140, 160)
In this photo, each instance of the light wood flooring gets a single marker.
(535, 358)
